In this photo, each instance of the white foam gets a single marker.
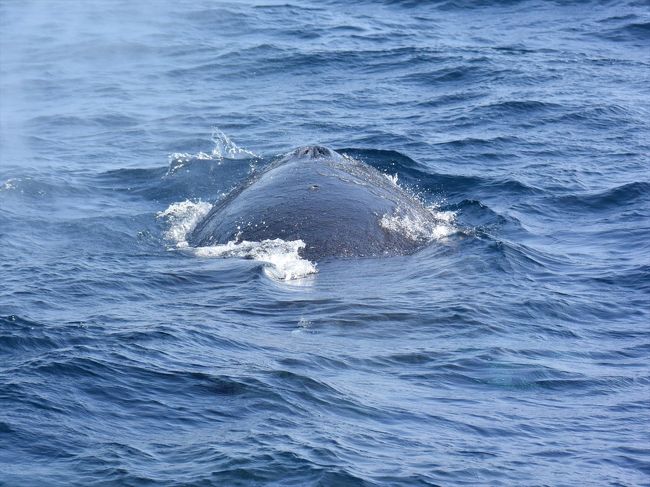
(417, 228)
(285, 262)
(445, 216)
(282, 257)
(182, 217)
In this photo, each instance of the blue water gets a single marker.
(514, 350)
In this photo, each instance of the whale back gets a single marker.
(332, 203)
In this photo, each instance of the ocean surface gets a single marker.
(512, 350)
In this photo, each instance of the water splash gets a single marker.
(182, 218)
(420, 229)
(224, 148)
(394, 178)
(284, 262)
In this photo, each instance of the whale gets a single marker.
(339, 207)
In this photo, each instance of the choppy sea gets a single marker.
(513, 350)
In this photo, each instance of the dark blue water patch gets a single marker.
(518, 109)
(634, 278)
(463, 5)
(458, 75)
(455, 99)
(631, 29)
(415, 175)
(616, 199)
(457, 186)
(20, 335)
(495, 143)
(478, 218)
(598, 116)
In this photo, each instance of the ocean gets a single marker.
(514, 349)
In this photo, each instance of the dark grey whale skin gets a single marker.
(331, 202)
